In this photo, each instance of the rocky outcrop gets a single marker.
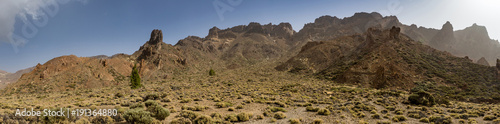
(444, 39)
(394, 33)
(282, 30)
(498, 64)
(382, 58)
(156, 37)
(213, 33)
(498, 69)
(483, 61)
(254, 27)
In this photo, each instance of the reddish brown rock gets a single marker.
(156, 37)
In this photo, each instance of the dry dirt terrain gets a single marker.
(262, 95)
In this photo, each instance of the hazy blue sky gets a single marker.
(46, 30)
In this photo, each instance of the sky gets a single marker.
(35, 31)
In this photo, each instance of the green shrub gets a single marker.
(440, 119)
(276, 109)
(185, 101)
(181, 121)
(158, 112)
(294, 121)
(138, 116)
(489, 118)
(273, 120)
(390, 108)
(150, 103)
(231, 118)
(135, 78)
(239, 107)
(383, 122)
(317, 121)
(472, 121)
(200, 108)
(242, 117)
(311, 109)
(463, 116)
(223, 104)
(422, 98)
(462, 121)
(203, 120)
(216, 116)
(279, 115)
(151, 97)
(137, 105)
(359, 114)
(399, 112)
(259, 117)
(81, 121)
(189, 114)
(414, 115)
(399, 118)
(376, 116)
(496, 121)
(211, 72)
(230, 109)
(267, 113)
(118, 95)
(425, 120)
(324, 112)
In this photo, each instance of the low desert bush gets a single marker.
(203, 120)
(311, 109)
(317, 121)
(138, 116)
(324, 112)
(242, 117)
(294, 121)
(279, 115)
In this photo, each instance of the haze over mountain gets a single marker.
(7, 78)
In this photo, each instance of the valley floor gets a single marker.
(262, 95)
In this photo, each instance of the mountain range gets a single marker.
(365, 49)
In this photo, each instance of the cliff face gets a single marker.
(472, 41)
(444, 39)
(382, 58)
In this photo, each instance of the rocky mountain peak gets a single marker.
(254, 27)
(213, 32)
(394, 32)
(447, 27)
(482, 61)
(283, 30)
(326, 19)
(156, 37)
(478, 31)
(444, 39)
(375, 15)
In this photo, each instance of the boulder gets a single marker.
(156, 37)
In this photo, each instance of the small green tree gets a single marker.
(211, 72)
(135, 79)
